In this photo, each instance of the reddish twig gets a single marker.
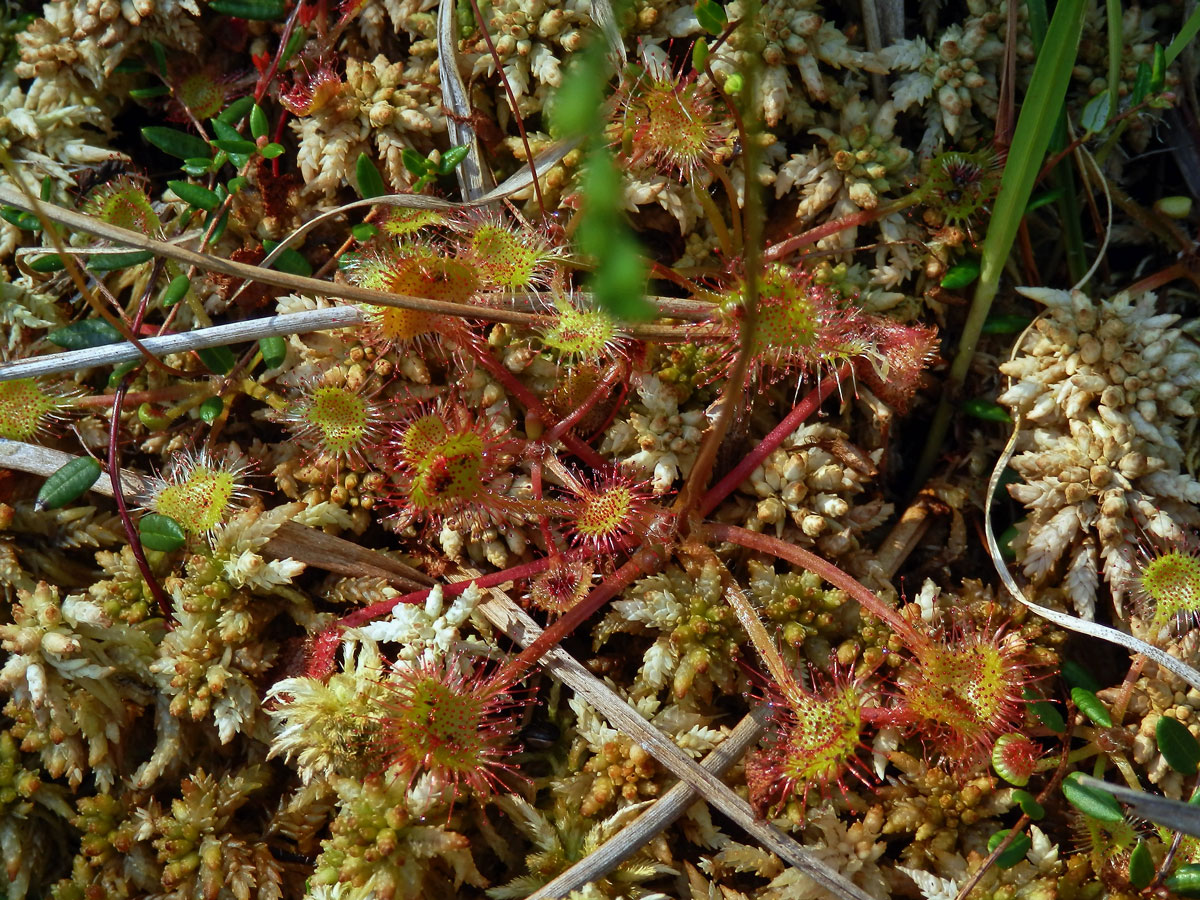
(789, 423)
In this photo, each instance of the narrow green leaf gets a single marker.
(1141, 866)
(235, 110)
(211, 408)
(195, 194)
(159, 532)
(451, 158)
(1091, 801)
(160, 57)
(239, 145)
(84, 334)
(47, 189)
(370, 182)
(219, 227)
(1005, 324)
(67, 483)
(1141, 84)
(1043, 199)
(1014, 852)
(176, 143)
(131, 65)
(175, 291)
(20, 218)
(1186, 33)
(1048, 715)
(1091, 706)
(364, 231)
(711, 16)
(295, 42)
(986, 409)
(262, 10)
(1184, 881)
(259, 127)
(1177, 745)
(111, 262)
(220, 360)
(1158, 71)
(149, 93)
(414, 161)
(1029, 805)
(198, 166)
(51, 262)
(274, 351)
(699, 54)
(289, 260)
(961, 275)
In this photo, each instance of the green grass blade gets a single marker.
(1035, 126)
(1186, 33)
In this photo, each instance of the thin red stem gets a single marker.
(789, 423)
(644, 562)
(853, 220)
(615, 374)
(799, 556)
(531, 401)
(135, 541)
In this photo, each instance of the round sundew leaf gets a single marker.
(159, 532)
(67, 483)
(1091, 802)
(1141, 866)
(1007, 747)
(1177, 745)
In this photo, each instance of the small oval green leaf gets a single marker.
(370, 182)
(1048, 715)
(262, 10)
(67, 483)
(235, 184)
(451, 158)
(364, 231)
(235, 145)
(1014, 852)
(961, 275)
(289, 260)
(414, 161)
(259, 127)
(1091, 706)
(1005, 324)
(1091, 802)
(272, 150)
(699, 55)
(219, 360)
(1029, 805)
(111, 262)
(84, 334)
(1177, 745)
(711, 16)
(198, 196)
(988, 410)
(1158, 71)
(51, 262)
(211, 408)
(176, 143)
(274, 351)
(235, 110)
(1141, 866)
(159, 532)
(1095, 114)
(176, 290)
(1184, 881)
(1141, 84)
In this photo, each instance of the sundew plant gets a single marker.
(540, 449)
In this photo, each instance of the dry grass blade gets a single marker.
(665, 810)
(514, 622)
(217, 336)
(603, 15)
(516, 182)
(474, 174)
